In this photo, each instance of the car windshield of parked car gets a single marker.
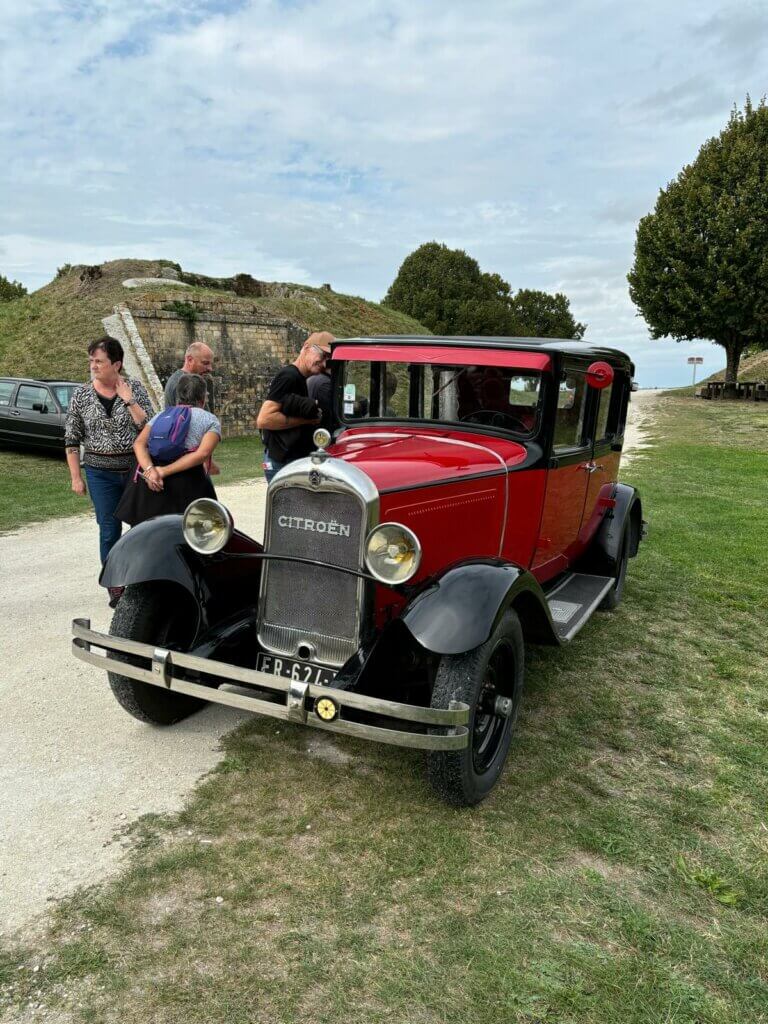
(501, 397)
(64, 394)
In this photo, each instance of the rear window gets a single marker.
(64, 394)
(500, 397)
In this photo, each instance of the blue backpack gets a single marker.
(168, 434)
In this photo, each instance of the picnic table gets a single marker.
(747, 390)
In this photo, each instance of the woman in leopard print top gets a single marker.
(105, 416)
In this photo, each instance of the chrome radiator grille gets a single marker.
(311, 604)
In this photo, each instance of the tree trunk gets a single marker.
(733, 349)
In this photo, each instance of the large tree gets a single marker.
(701, 257)
(542, 315)
(10, 290)
(446, 291)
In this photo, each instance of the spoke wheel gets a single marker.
(489, 679)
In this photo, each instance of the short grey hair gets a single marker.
(191, 390)
(195, 348)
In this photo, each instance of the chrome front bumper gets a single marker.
(299, 697)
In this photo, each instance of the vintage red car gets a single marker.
(468, 504)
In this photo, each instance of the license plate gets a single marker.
(299, 671)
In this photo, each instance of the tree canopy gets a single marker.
(542, 315)
(701, 257)
(447, 292)
(10, 290)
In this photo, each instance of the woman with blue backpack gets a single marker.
(173, 457)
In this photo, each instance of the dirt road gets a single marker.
(74, 767)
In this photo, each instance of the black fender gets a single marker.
(458, 611)
(604, 549)
(156, 551)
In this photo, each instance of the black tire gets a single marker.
(613, 598)
(495, 668)
(151, 613)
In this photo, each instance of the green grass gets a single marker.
(35, 487)
(618, 875)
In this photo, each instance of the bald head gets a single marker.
(198, 358)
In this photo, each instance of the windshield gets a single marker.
(501, 397)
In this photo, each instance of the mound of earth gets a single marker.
(45, 334)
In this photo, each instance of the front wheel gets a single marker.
(490, 679)
(150, 613)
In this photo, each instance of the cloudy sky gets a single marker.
(323, 141)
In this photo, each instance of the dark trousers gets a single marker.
(106, 488)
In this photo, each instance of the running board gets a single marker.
(572, 602)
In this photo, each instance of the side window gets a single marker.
(6, 390)
(356, 395)
(29, 395)
(571, 404)
(606, 426)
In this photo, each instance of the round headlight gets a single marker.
(207, 526)
(392, 553)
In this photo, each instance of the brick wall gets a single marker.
(249, 346)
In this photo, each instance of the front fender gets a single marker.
(155, 551)
(458, 611)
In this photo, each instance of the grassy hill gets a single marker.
(752, 368)
(45, 334)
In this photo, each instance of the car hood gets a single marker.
(398, 458)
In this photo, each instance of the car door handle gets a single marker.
(592, 467)
(15, 412)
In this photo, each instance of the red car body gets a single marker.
(467, 504)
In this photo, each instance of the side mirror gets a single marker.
(599, 375)
(39, 407)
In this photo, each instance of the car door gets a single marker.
(567, 477)
(38, 420)
(602, 470)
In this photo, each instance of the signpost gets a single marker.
(695, 361)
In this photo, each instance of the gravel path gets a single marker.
(75, 769)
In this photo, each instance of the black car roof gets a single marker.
(556, 346)
(42, 380)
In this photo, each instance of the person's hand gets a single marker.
(213, 469)
(123, 389)
(78, 486)
(153, 478)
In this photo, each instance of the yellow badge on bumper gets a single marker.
(326, 708)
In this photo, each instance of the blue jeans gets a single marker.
(271, 466)
(106, 488)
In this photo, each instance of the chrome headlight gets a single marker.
(392, 553)
(207, 526)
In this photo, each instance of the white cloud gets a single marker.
(323, 141)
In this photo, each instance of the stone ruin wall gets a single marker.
(249, 347)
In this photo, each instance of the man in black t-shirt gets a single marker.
(288, 417)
